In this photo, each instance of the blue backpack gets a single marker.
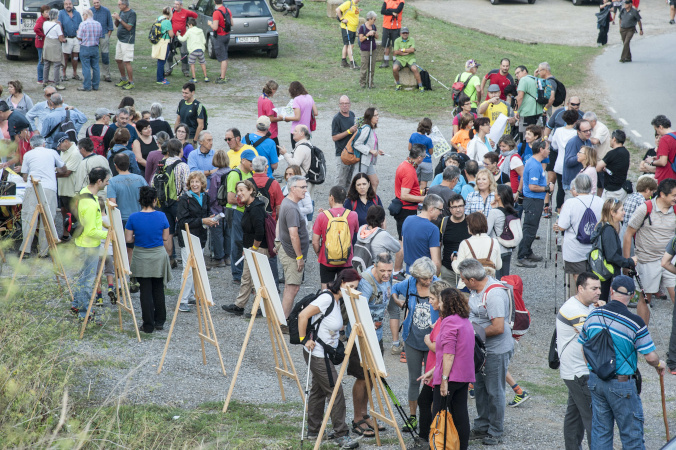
(587, 224)
(673, 163)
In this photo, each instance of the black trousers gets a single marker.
(603, 34)
(560, 193)
(456, 400)
(153, 309)
(532, 211)
(425, 400)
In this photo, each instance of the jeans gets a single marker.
(578, 417)
(41, 65)
(104, 47)
(615, 402)
(89, 56)
(506, 262)
(236, 236)
(490, 394)
(84, 280)
(160, 67)
(153, 308)
(220, 239)
(532, 211)
(456, 400)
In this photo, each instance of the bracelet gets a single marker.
(298, 258)
(348, 131)
(253, 247)
(301, 338)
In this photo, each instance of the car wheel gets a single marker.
(273, 53)
(277, 5)
(495, 2)
(7, 50)
(530, 2)
(210, 46)
(577, 2)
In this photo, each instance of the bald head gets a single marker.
(344, 103)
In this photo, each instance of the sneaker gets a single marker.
(490, 440)
(128, 86)
(284, 328)
(107, 79)
(384, 65)
(471, 390)
(237, 281)
(672, 371)
(233, 309)
(401, 276)
(218, 263)
(41, 82)
(74, 310)
(186, 74)
(478, 434)
(546, 213)
(173, 263)
(76, 77)
(192, 80)
(519, 399)
(59, 87)
(184, 308)
(121, 83)
(113, 296)
(421, 89)
(226, 261)
(671, 22)
(346, 442)
(525, 263)
(99, 301)
(192, 301)
(402, 357)
(134, 288)
(396, 349)
(220, 80)
(343, 63)
(206, 79)
(412, 425)
(535, 258)
(258, 314)
(164, 82)
(397, 87)
(64, 77)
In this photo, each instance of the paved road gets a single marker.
(640, 90)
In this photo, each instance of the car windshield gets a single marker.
(248, 8)
(34, 5)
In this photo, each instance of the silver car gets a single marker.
(253, 26)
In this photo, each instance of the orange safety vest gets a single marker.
(391, 22)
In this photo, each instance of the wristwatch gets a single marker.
(444, 378)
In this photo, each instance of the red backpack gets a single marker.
(99, 148)
(518, 316)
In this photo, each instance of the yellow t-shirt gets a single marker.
(235, 156)
(351, 13)
(494, 111)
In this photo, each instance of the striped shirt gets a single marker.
(631, 203)
(89, 33)
(628, 331)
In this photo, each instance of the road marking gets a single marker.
(624, 122)
(636, 133)
(612, 110)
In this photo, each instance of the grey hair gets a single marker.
(423, 268)
(258, 164)
(432, 200)
(384, 258)
(371, 15)
(124, 110)
(306, 131)
(294, 179)
(162, 137)
(155, 110)
(582, 184)
(125, 2)
(203, 134)
(471, 268)
(37, 141)
(439, 286)
(545, 65)
(417, 150)
(451, 173)
(56, 99)
(86, 13)
(49, 87)
(53, 14)
(590, 116)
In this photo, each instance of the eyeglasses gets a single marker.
(439, 209)
(229, 139)
(581, 152)
(586, 131)
(301, 187)
(574, 104)
(50, 94)
(457, 207)
(615, 201)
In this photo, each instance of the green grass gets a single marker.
(550, 387)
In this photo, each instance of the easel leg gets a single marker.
(367, 378)
(200, 305)
(254, 311)
(275, 345)
(117, 293)
(173, 320)
(127, 302)
(31, 230)
(282, 345)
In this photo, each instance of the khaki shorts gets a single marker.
(124, 52)
(290, 267)
(72, 45)
(654, 277)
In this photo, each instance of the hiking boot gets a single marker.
(535, 258)
(186, 74)
(218, 263)
(226, 261)
(471, 391)
(220, 80)
(478, 434)
(354, 66)
(397, 87)
(59, 87)
(411, 425)
(76, 77)
(397, 349)
(519, 399)
(192, 301)
(121, 83)
(402, 357)
(237, 281)
(128, 86)
(284, 328)
(525, 263)
(193, 80)
(233, 309)
(184, 308)
(258, 314)
(108, 79)
(113, 296)
(421, 89)
(343, 63)
(346, 442)
(173, 263)
(384, 65)
(74, 310)
(206, 79)
(99, 300)
(490, 440)
(134, 287)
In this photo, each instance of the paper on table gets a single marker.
(498, 128)
(441, 145)
(285, 110)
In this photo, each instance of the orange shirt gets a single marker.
(462, 138)
(389, 21)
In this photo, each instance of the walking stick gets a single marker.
(307, 390)
(556, 272)
(370, 68)
(664, 407)
(549, 236)
(399, 408)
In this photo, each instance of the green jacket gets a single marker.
(89, 215)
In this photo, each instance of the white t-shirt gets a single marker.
(569, 322)
(476, 149)
(329, 329)
(601, 133)
(559, 141)
(39, 163)
(571, 215)
(52, 31)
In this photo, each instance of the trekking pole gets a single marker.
(549, 235)
(307, 390)
(370, 73)
(664, 407)
(399, 407)
(178, 62)
(556, 272)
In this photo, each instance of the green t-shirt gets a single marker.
(165, 27)
(471, 90)
(233, 179)
(529, 106)
(399, 44)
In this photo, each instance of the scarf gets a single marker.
(505, 158)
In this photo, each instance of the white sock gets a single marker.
(395, 343)
(387, 57)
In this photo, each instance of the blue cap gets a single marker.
(248, 155)
(623, 281)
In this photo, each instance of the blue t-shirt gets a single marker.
(526, 152)
(133, 135)
(148, 228)
(360, 208)
(417, 138)
(267, 148)
(420, 235)
(533, 173)
(125, 190)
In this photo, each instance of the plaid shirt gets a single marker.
(475, 203)
(631, 203)
(89, 33)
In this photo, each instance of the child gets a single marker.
(462, 137)
(196, 45)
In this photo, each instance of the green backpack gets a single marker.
(597, 261)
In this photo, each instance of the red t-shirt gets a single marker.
(495, 77)
(265, 106)
(274, 190)
(407, 178)
(432, 356)
(179, 18)
(319, 228)
(667, 147)
(220, 20)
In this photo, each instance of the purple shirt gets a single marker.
(304, 102)
(368, 42)
(152, 161)
(457, 338)
(89, 33)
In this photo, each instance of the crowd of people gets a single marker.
(457, 227)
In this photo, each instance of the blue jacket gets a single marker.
(408, 286)
(70, 25)
(54, 119)
(119, 148)
(570, 165)
(103, 16)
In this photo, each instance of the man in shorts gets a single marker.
(125, 21)
(222, 37)
(404, 48)
(653, 232)
(70, 21)
(392, 11)
(348, 16)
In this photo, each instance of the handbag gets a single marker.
(395, 207)
(313, 121)
(349, 158)
(443, 434)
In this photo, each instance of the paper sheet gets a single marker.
(498, 128)
(441, 145)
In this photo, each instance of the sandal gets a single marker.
(364, 432)
(380, 427)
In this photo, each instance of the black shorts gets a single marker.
(402, 216)
(124, 226)
(553, 154)
(348, 36)
(329, 273)
(389, 36)
(354, 368)
(221, 47)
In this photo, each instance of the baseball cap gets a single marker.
(249, 155)
(493, 88)
(471, 63)
(263, 120)
(404, 29)
(100, 112)
(61, 139)
(623, 285)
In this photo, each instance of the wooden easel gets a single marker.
(207, 333)
(373, 377)
(279, 348)
(121, 286)
(59, 270)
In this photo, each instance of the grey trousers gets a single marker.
(30, 202)
(449, 276)
(578, 417)
(490, 394)
(415, 362)
(344, 173)
(320, 393)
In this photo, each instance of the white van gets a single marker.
(17, 19)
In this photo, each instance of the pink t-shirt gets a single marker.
(265, 106)
(457, 338)
(304, 103)
(432, 356)
(319, 228)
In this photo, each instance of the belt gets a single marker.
(71, 37)
(623, 378)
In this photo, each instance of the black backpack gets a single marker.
(479, 348)
(599, 351)
(67, 127)
(316, 173)
(292, 320)
(228, 23)
(222, 194)
(560, 95)
(425, 80)
(263, 193)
